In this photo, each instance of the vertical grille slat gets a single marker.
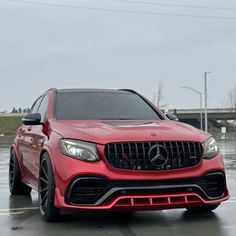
(116, 155)
(108, 150)
(194, 148)
(135, 155)
(122, 155)
(144, 156)
(182, 160)
(178, 161)
(129, 156)
(194, 151)
(189, 149)
(172, 153)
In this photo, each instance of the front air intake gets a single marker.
(213, 184)
(86, 191)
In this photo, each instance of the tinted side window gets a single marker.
(43, 107)
(34, 108)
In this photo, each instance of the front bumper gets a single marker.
(97, 193)
(93, 192)
(97, 186)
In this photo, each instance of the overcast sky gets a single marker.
(43, 46)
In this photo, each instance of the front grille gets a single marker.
(153, 155)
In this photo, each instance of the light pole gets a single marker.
(205, 86)
(200, 94)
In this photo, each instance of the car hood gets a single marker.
(103, 132)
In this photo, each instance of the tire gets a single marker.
(203, 209)
(47, 191)
(16, 186)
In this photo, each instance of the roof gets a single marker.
(94, 90)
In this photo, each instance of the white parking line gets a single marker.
(11, 213)
(15, 211)
(19, 209)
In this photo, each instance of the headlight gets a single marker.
(83, 151)
(211, 148)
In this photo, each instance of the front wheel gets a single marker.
(203, 208)
(47, 191)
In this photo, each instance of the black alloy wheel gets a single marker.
(16, 186)
(47, 191)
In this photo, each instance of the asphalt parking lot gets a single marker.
(19, 215)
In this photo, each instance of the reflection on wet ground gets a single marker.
(228, 148)
(19, 215)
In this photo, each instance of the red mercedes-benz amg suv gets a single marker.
(95, 149)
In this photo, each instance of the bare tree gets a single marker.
(232, 98)
(231, 101)
(158, 96)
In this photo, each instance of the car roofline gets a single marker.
(93, 90)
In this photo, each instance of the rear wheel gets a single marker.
(203, 208)
(47, 191)
(16, 186)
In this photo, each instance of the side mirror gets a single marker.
(171, 116)
(32, 119)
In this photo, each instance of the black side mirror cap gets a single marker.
(32, 119)
(171, 116)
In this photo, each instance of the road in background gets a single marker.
(19, 215)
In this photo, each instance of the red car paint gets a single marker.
(32, 141)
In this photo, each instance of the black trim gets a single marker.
(91, 196)
(210, 186)
(129, 90)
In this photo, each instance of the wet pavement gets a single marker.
(19, 215)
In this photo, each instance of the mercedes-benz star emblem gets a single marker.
(158, 155)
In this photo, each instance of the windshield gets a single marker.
(100, 105)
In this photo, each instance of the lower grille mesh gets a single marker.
(86, 191)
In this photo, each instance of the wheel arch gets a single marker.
(47, 150)
(48, 210)
(14, 148)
